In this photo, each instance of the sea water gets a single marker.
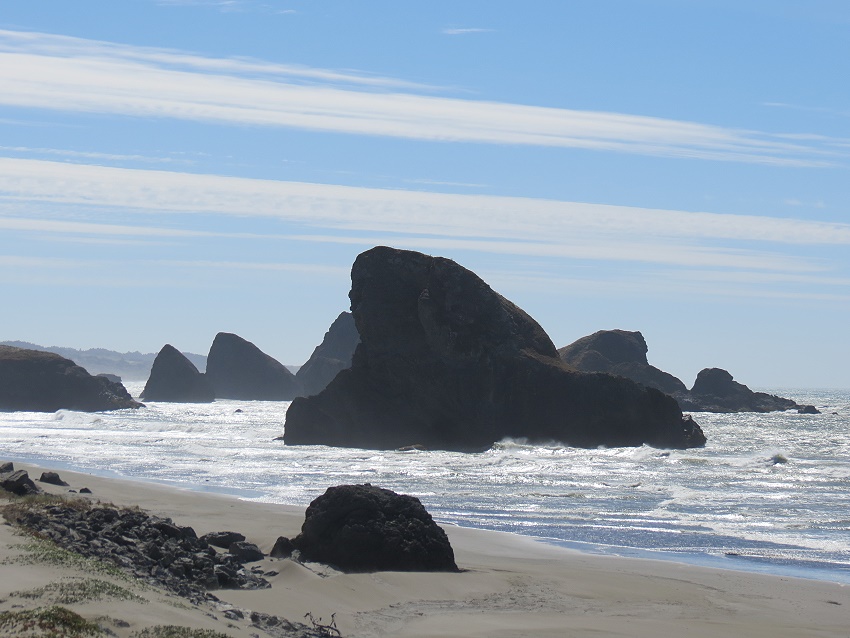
(769, 492)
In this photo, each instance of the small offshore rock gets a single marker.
(52, 478)
(808, 409)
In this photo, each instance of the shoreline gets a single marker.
(511, 585)
(819, 572)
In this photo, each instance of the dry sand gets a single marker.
(511, 586)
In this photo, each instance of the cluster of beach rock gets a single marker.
(351, 528)
(154, 549)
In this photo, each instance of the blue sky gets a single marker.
(170, 169)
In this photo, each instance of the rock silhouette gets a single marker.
(36, 381)
(363, 528)
(447, 363)
(331, 356)
(716, 391)
(237, 369)
(623, 353)
(176, 379)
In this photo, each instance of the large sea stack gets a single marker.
(237, 369)
(331, 356)
(36, 381)
(175, 379)
(447, 363)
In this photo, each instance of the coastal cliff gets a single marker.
(36, 381)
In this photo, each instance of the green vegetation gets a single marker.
(176, 631)
(21, 504)
(50, 622)
(70, 591)
(39, 551)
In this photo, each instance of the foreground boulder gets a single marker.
(362, 528)
(623, 353)
(237, 369)
(36, 381)
(331, 356)
(176, 379)
(447, 363)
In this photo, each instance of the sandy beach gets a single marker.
(509, 586)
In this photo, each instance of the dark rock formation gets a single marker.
(237, 369)
(152, 548)
(331, 356)
(447, 363)
(362, 528)
(283, 548)
(176, 379)
(35, 381)
(245, 552)
(132, 366)
(19, 483)
(621, 353)
(52, 478)
(109, 377)
(716, 391)
(223, 539)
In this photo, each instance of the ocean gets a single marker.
(769, 492)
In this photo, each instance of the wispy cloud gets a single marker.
(811, 109)
(56, 72)
(93, 155)
(227, 6)
(465, 30)
(498, 225)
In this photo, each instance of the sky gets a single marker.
(170, 169)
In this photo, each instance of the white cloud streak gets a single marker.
(499, 225)
(70, 74)
(116, 157)
(464, 31)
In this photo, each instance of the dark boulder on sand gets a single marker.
(237, 369)
(447, 363)
(621, 353)
(36, 381)
(19, 483)
(715, 390)
(175, 379)
(363, 528)
(331, 356)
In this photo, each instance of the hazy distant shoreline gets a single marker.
(130, 366)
